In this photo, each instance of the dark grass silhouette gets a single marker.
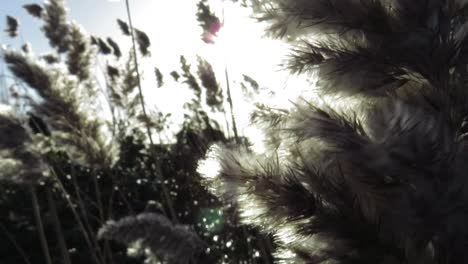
(66, 170)
(384, 183)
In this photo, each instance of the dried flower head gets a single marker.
(115, 47)
(79, 54)
(103, 47)
(189, 79)
(72, 129)
(159, 77)
(94, 40)
(112, 72)
(167, 241)
(143, 42)
(175, 75)
(33, 75)
(18, 160)
(56, 27)
(124, 27)
(209, 22)
(34, 10)
(214, 93)
(12, 26)
(26, 48)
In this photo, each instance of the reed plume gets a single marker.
(383, 180)
(72, 129)
(12, 26)
(175, 243)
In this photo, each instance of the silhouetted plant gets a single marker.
(382, 179)
(90, 169)
(12, 26)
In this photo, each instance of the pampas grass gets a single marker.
(123, 27)
(143, 42)
(189, 78)
(382, 182)
(12, 26)
(103, 47)
(159, 77)
(56, 28)
(20, 160)
(34, 10)
(175, 243)
(214, 93)
(73, 142)
(71, 129)
(79, 54)
(115, 48)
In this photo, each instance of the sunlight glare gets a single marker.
(256, 138)
(210, 167)
(240, 47)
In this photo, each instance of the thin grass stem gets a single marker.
(148, 129)
(15, 244)
(39, 224)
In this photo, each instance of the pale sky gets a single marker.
(173, 30)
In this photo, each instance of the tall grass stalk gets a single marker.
(15, 244)
(167, 197)
(93, 248)
(229, 99)
(39, 224)
(228, 89)
(98, 198)
(87, 228)
(58, 228)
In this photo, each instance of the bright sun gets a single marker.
(240, 46)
